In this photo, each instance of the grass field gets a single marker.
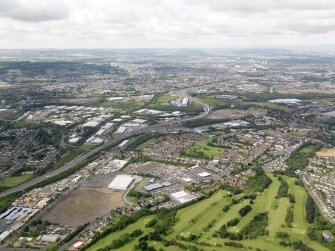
(307, 149)
(165, 99)
(6, 201)
(148, 142)
(87, 147)
(163, 103)
(268, 105)
(123, 105)
(299, 133)
(25, 124)
(203, 147)
(140, 224)
(204, 218)
(14, 181)
(70, 155)
(213, 101)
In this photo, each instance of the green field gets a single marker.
(123, 105)
(14, 181)
(268, 106)
(299, 133)
(6, 201)
(87, 147)
(148, 142)
(307, 149)
(201, 149)
(162, 103)
(108, 239)
(206, 217)
(68, 156)
(165, 99)
(25, 124)
(214, 102)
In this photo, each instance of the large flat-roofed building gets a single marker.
(287, 101)
(121, 182)
(183, 196)
(153, 186)
(121, 129)
(184, 102)
(51, 238)
(329, 114)
(204, 174)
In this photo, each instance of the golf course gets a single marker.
(224, 221)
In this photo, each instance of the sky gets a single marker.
(66, 24)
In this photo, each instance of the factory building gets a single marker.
(121, 182)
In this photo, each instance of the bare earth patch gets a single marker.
(326, 152)
(235, 114)
(84, 205)
(300, 88)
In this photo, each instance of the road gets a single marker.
(107, 145)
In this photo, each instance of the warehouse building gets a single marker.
(182, 196)
(204, 174)
(121, 182)
(153, 186)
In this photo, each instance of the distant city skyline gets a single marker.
(67, 24)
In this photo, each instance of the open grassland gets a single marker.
(197, 225)
(214, 102)
(217, 103)
(25, 124)
(162, 103)
(123, 105)
(14, 181)
(6, 201)
(299, 133)
(148, 142)
(165, 99)
(202, 149)
(67, 157)
(268, 105)
(308, 149)
(87, 147)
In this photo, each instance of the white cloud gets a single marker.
(164, 23)
(250, 6)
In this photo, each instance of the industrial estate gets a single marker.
(167, 150)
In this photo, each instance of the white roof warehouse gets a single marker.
(121, 182)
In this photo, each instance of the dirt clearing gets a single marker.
(84, 205)
(230, 114)
(326, 152)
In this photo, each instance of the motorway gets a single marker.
(106, 145)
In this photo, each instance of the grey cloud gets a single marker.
(34, 10)
(171, 23)
(310, 29)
